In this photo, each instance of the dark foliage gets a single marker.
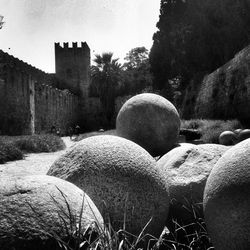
(197, 36)
(9, 152)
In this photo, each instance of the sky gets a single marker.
(33, 26)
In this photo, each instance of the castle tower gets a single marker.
(73, 66)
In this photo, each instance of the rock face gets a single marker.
(151, 121)
(227, 199)
(227, 138)
(122, 180)
(33, 208)
(186, 169)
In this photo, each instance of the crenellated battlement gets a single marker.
(73, 45)
(31, 100)
(72, 65)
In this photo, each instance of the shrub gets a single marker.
(9, 152)
(13, 147)
(39, 143)
(191, 124)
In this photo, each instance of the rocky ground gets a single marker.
(36, 163)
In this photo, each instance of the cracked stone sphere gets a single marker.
(122, 180)
(227, 199)
(151, 121)
(186, 168)
(38, 211)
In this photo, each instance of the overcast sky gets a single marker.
(32, 27)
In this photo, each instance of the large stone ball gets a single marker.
(122, 180)
(36, 211)
(151, 121)
(227, 199)
(186, 168)
(227, 138)
(244, 134)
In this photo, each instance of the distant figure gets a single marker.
(70, 132)
(53, 130)
(58, 132)
(77, 130)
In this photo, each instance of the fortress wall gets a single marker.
(93, 114)
(27, 105)
(55, 107)
(225, 93)
(15, 103)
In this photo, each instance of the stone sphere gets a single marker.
(122, 180)
(227, 199)
(244, 134)
(186, 169)
(151, 121)
(227, 138)
(237, 131)
(35, 210)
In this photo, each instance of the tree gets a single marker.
(137, 75)
(136, 58)
(197, 36)
(105, 77)
(1, 22)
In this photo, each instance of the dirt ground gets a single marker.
(38, 163)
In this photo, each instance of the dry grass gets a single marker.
(211, 129)
(193, 236)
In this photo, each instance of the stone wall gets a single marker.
(54, 107)
(225, 93)
(28, 106)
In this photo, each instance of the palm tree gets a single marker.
(1, 22)
(105, 77)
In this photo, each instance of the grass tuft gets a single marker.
(191, 236)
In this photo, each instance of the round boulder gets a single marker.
(237, 131)
(227, 138)
(186, 169)
(244, 134)
(227, 199)
(36, 212)
(151, 121)
(122, 180)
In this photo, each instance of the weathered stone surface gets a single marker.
(227, 138)
(186, 169)
(151, 121)
(227, 199)
(34, 208)
(224, 93)
(122, 180)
